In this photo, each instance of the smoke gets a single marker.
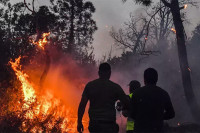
(167, 65)
(65, 80)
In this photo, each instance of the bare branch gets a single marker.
(33, 11)
(166, 3)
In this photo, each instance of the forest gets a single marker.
(47, 57)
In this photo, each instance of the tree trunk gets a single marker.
(46, 69)
(71, 34)
(182, 53)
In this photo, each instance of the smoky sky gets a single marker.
(109, 13)
(113, 13)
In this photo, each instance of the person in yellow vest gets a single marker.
(133, 85)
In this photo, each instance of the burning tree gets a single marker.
(174, 6)
(133, 37)
(26, 106)
(71, 25)
(35, 112)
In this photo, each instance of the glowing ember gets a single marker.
(27, 87)
(172, 29)
(185, 6)
(42, 42)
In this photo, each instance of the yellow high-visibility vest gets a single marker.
(130, 121)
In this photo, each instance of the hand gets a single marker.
(80, 127)
(125, 113)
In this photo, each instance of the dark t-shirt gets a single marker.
(150, 106)
(102, 95)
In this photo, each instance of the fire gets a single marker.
(185, 6)
(172, 29)
(27, 87)
(42, 42)
(47, 108)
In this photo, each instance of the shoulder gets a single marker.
(163, 92)
(114, 84)
(150, 89)
(92, 82)
(140, 90)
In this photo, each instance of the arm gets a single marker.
(169, 110)
(133, 106)
(126, 112)
(81, 110)
(123, 98)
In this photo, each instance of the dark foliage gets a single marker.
(70, 23)
(71, 26)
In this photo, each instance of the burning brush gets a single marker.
(42, 43)
(42, 112)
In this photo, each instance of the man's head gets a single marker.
(150, 76)
(104, 71)
(133, 85)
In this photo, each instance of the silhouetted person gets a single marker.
(151, 105)
(102, 94)
(133, 85)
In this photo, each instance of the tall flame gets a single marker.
(46, 104)
(27, 87)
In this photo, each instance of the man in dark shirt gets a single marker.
(150, 105)
(102, 94)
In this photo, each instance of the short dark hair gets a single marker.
(134, 84)
(104, 67)
(150, 76)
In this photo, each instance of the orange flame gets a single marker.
(172, 29)
(185, 6)
(28, 90)
(42, 42)
(47, 104)
(27, 87)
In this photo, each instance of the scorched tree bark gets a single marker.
(182, 54)
(183, 59)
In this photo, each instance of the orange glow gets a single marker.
(42, 42)
(48, 103)
(185, 6)
(172, 29)
(27, 87)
